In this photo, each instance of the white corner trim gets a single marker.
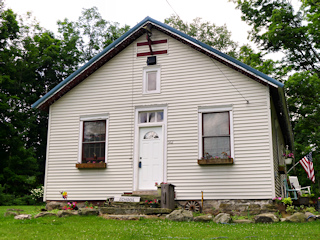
(269, 109)
(47, 156)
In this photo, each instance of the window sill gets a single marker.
(91, 165)
(215, 161)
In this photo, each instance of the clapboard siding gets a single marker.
(189, 80)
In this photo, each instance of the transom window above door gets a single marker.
(151, 117)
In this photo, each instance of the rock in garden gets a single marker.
(266, 218)
(88, 211)
(54, 205)
(242, 221)
(203, 218)
(222, 218)
(180, 216)
(9, 213)
(43, 214)
(297, 217)
(64, 213)
(23, 216)
(310, 216)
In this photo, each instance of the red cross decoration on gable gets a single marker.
(155, 47)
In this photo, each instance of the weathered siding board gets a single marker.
(189, 79)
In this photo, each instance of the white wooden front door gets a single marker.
(150, 157)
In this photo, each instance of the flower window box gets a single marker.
(215, 161)
(91, 165)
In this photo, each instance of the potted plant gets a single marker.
(304, 199)
(158, 188)
(288, 157)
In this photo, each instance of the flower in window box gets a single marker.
(224, 155)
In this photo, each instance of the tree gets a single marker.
(33, 61)
(91, 32)
(206, 32)
(279, 27)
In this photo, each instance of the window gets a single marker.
(216, 133)
(94, 141)
(151, 80)
(150, 117)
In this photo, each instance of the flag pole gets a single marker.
(292, 167)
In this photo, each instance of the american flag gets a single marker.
(307, 164)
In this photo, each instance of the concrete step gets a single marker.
(129, 211)
(148, 192)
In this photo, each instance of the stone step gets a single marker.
(128, 211)
(144, 197)
(148, 192)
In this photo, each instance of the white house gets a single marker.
(152, 104)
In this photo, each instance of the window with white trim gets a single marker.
(216, 134)
(93, 139)
(151, 79)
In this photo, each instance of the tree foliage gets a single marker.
(32, 61)
(206, 32)
(91, 32)
(278, 26)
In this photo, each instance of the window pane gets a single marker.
(152, 117)
(93, 152)
(143, 117)
(94, 131)
(215, 146)
(152, 81)
(215, 124)
(159, 116)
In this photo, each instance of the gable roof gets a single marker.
(126, 39)
(276, 87)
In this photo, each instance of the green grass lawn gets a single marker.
(91, 227)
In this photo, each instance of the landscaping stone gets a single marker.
(297, 217)
(203, 218)
(222, 218)
(9, 213)
(123, 217)
(15, 210)
(54, 205)
(180, 216)
(88, 211)
(23, 216)
(266, 218)
(66, 213)
(242, 221)
(44, 214)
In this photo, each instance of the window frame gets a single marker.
(201, 111)
(147, 70)
(92, 118)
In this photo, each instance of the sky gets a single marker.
(131, 12)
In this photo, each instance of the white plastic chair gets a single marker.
(295, 184)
